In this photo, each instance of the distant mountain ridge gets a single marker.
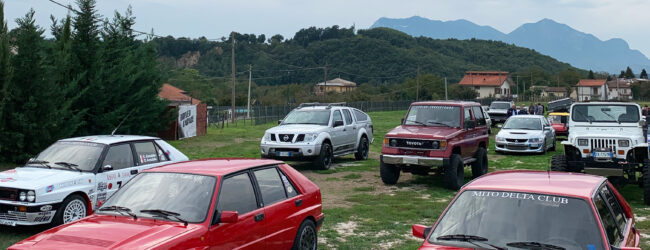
(546, 36)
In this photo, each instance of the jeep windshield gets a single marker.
(523, 123)
(512, 219)
(500, 105)
(605, 113)
(318, 117)
(448, 116)
(170, 196)
(73, 155)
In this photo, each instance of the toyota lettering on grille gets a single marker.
(414, 143)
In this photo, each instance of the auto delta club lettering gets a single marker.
(521, 196)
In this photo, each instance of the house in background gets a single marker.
(179, 101)
(559, 92)
(592, 89)
(620, 89)
(337, 85)
(488, 83)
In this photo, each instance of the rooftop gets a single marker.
(176, 95)
(591, 82)
(484, 78)
(214, 167)
(556, 89)
(557, 183)
(338, 82)
(110, 139)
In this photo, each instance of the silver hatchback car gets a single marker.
(526, 134)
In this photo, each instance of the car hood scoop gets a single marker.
(82, 240)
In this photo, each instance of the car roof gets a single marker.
(110, 139)
(535, 181)
(214, 167)
(446, 103)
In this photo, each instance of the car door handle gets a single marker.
(135, 171)
(259, 217)
(298, 202)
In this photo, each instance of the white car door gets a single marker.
(118, 160)
(350, 130)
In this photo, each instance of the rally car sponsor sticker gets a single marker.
(144, 158)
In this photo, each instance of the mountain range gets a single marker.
(546, 36)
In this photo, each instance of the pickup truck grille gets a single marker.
(413, 143)
(285, 137)
(603, 143)
(8, 194)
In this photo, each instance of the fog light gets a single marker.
(586, 151)
(22, 209)
(309, 151)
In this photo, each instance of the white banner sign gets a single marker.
(186, 121)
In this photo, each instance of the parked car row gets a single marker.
(252, 203)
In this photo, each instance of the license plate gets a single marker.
(284, 153)
(8, 223)
(602, 155)
(410, 160)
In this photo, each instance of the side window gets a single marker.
(237, 194)
(271, 186)
(119, 157)
(616, 207)
(146, 152)
(348, 117)
(288, 186)
(607, 219)
(162, 156)
(337, 117)
(360, 115)
(478, 115)
(467, 115)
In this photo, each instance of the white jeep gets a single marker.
(607, 139)
(319, 132)
(72, 177)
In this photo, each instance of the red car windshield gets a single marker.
(434, 116)
(515, 220)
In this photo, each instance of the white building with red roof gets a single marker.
(592, 89)
(488, 83)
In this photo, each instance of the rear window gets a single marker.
(360, 115)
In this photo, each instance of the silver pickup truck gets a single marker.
(319, 132)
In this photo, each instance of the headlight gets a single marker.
(393, 142)
(582, 142)
(623, 143)
(500, 139)
(435, 144)
(31, 196)
(311, 137)
(267, 137)
(22, 196)
(535, 140)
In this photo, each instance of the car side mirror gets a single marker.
(547, 128)
(402, 120)
(421, 231)
(470, 124)
(228, 217)
(338, 123)
(279, 122)
(107, 168)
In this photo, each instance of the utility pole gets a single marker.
(446, 97)
(325, 81)
(618, 91)
(248, 104)
(518, 86)
(417, 85)
(232, 62)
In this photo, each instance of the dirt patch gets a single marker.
(641, 218)
(496, 157)
(373, 155)
(242, 140)
(335, 188)
(345, 229)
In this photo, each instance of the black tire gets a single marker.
(306, 237)
(72, 200)
(480, 166)
(362, 150)
(389, 173)
(454, 173)
(559, 163)
(325, 157)
(554, 144)
(646, 181)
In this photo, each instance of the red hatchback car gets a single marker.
(206, 204)
(534, 210)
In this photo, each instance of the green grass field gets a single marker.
(362, 212)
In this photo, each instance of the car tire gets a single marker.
(73, 208)
(554, 145)
(559, 163)
(646, 181)
(454, 173)
(306, 237)
(389, 173)
(325, 157)
(362, 150)
(480, 166)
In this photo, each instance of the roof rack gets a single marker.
(315, 104)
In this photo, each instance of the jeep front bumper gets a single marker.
(26, 215)
(413, 160)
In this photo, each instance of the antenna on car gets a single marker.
(118, 125)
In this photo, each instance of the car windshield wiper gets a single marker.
(40, 162)
(121, 210)
(472, 239)
(438, 123)
(68, 165)
(534, 245)
(611, 116)
(164, 213)
(415, 121)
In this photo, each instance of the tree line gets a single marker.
(83, 81)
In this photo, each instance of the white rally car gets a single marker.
(72, 177)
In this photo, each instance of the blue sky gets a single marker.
(606, 19)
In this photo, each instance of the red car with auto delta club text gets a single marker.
(525, 209)
(204, 204)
